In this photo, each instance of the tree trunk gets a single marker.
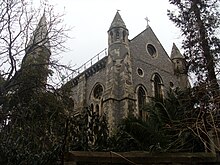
(210, 65)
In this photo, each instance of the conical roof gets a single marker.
(40, 35)
(175, 53)
(117, 21)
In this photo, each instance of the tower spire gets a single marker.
(117, 21)
(40, 35)
(118, 31)
(36, 60)
(175, 53)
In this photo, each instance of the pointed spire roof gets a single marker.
(117, 22)
(175, 53)
(40, 35)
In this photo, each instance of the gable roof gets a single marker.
(140, 52)
(151, 32)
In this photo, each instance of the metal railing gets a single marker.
(90, 62)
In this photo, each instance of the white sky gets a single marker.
(91, 20)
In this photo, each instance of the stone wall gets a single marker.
(140, 158)
(160, 63)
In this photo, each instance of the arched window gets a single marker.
(124, 35)
(111, 36)
(141, 101)
(98, 91)
(117, 35)
(157, 81)
(97, 99)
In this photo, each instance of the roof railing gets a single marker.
(90, 62)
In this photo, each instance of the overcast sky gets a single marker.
(91, 20)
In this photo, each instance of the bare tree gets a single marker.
(31, 119)
(18, 22)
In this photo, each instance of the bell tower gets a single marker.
(117, 33)
(118, 100)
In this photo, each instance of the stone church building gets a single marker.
(122, 82)
(132, 72)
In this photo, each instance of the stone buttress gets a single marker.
(119, 94)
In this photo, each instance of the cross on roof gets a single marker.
(147, 21)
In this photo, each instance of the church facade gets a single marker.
(122, 82)
(133, 72)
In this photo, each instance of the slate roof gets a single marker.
(175, 53)
(117, 22)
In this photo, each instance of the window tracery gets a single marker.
(157, 81)
(98, 91)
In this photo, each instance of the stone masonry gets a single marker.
(132, 72)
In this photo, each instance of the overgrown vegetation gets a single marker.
(33, 113)
(198, 21)
(38, 123)
(87, 131)
(174, 125)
